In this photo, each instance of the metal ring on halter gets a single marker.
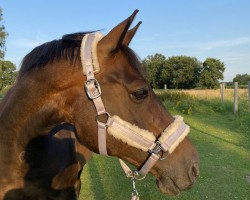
(97, 118)
(163, 158)
(136, 176)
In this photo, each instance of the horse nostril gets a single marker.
(194, 172)
(196, 169)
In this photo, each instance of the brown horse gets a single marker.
(49, 91)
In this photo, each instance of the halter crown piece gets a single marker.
(132, 135)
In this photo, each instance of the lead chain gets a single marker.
(134, 195)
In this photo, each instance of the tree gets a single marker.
(7, 69)
(211, 72)
(242, 79)
(3, 36)
(8, 73)
(153, 65)
(177, 71)
(182, 72)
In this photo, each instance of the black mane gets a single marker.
(66, 48)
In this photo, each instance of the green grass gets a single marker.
(222, 140)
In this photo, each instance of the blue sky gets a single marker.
(201, 29)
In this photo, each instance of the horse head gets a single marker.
(117, 101)
(126, 93)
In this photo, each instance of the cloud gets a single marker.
(236, 57)
(211, 45)
(224, 43)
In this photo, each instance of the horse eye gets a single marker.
(139, 95)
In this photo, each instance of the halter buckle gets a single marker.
(92, 92)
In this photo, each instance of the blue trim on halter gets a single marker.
(64, 126)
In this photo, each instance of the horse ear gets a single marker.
(114, 39)
(130, 34)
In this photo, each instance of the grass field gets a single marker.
(215, 94)
(222, 140)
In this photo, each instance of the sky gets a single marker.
(197, 28)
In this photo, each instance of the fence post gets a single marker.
(249, 91)
(235, 97)
(165, 87)
(222, 87)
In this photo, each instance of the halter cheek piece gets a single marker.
(123, 130)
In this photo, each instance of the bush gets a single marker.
(239, 86)
(177, 100)
(183, 103)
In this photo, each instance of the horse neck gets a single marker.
(25, 118)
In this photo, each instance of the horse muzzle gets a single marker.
(174, 185)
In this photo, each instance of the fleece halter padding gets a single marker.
(130, 134)
(97, 37)
(145, 140)
(174, 134)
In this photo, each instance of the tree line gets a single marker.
(242, 79)
(8, 72)
(183, 72)
(177, 72)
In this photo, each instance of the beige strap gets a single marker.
(102, 144)
(100, 109)
(145, 168)
(93, 91)
(149, 164)
(126, 168)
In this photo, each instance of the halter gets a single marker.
(123, 130)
